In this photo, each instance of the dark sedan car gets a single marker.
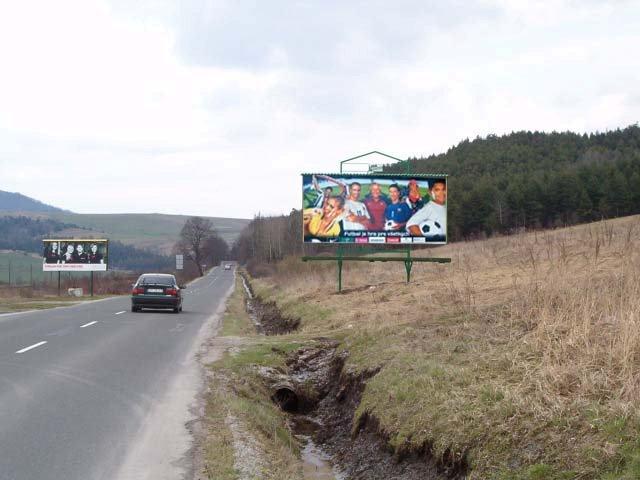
(156, 290)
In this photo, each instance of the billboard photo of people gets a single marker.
(380, 208)
(81, 255)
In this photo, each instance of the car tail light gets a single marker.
(138, 291)
(171, 291)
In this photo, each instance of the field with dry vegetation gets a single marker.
(521, 357)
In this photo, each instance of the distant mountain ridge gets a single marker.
(26, 234)
(151, 231)
(16, 202)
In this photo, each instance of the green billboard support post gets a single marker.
(340, 258)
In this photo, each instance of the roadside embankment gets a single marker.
(266, 316)
(282, 406)
(518, 360)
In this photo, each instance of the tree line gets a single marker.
(198, 242)
(269, 239)
(200, 245)
(500, 184)
(536, 180)
(26, 234)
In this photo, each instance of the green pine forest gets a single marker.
(501, 184)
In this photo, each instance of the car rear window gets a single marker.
(156, 280)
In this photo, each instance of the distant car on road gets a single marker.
(156, 290)
(227, 266)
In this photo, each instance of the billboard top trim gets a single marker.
(390, 175)
(66, 239)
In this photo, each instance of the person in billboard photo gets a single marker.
(323, 194)
(94, 255)
(51, 254)
(397, 212)
(376, 204)
(356, 214)
(326, 222)
(68, 256)
(431, 220)
(394, 206)
(413, 197)
(80, 256)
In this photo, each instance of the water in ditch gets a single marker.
(316, 464)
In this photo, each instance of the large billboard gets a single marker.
(374, 209)
(75, 255)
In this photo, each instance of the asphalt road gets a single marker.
(75, 406)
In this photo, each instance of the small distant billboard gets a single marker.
(387, 209)
(75, 255)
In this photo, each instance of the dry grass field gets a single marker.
(522, 355)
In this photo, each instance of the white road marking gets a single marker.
(35, 345)
(120, 313)
(88, 324)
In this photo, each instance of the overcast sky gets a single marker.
(215, 107)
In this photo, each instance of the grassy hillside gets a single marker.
(155, 231)
(22, 267)
(521, 356)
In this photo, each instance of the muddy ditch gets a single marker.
(321, 397)
(266, 317)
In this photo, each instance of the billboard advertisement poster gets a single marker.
(75, 255)
(390, 209)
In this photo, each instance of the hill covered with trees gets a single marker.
(16, 202)
(26, 234)
(501, 184)
(537, 180)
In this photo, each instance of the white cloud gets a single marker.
(215, 107)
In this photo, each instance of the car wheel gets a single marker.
(176, 310)
(134, 309)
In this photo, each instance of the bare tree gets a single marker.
(193, 238)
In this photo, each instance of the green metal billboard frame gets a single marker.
(340, 257)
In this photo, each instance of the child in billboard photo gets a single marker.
(376, 203)
(357, 216)
(94, 255)
(322, 195)
(326, 222)
(52, 254)
(431, 220)
(398, 212)
(412, 196)
(390, 206)
(80, 256)
(68, 255)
